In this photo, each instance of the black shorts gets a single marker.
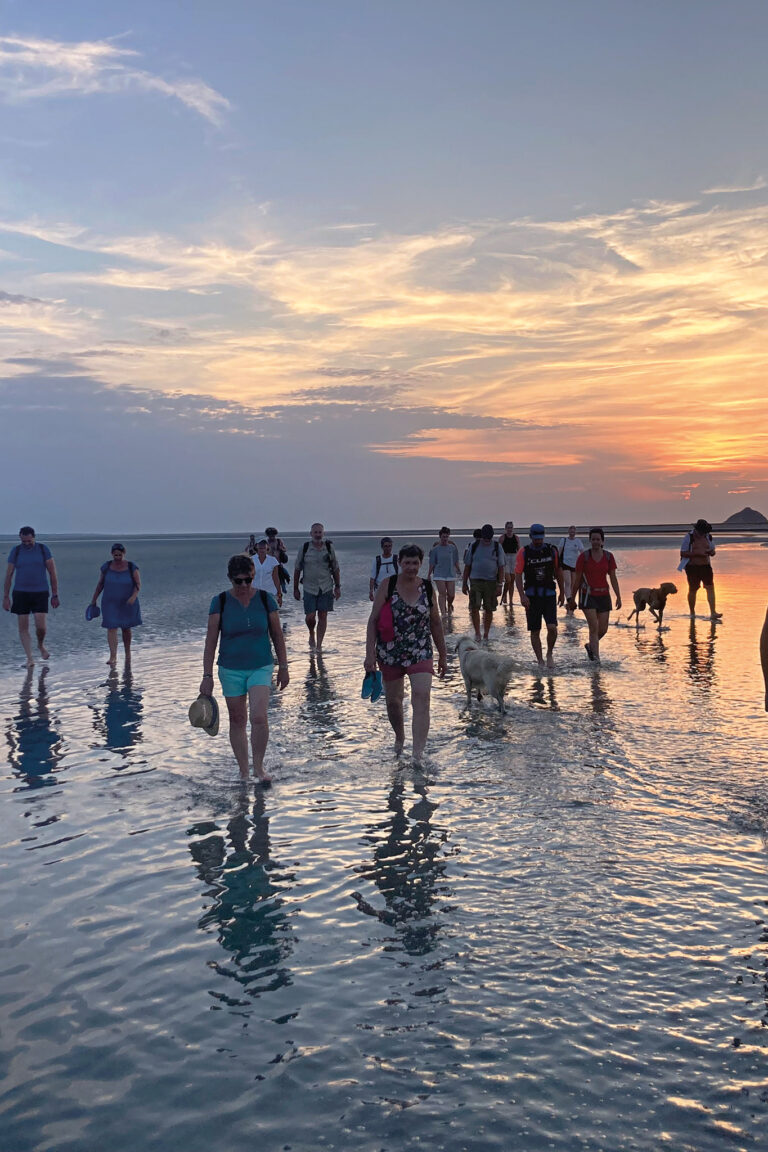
(541, 608)
(599, 603)
(24, 603)
(698, 574)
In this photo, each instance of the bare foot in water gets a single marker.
(263, 778)
(44, 652)
(550, 661)
(398, 747)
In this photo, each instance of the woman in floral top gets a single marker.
(406, 647)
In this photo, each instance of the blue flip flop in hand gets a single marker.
(368, 682)
(376, 690)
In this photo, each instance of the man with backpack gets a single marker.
(318, 568)
(538, 575)
(32, 565)
(483, 579)
(696, 552)
(384, 565)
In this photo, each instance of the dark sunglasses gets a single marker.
(242, 579)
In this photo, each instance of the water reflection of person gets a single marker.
(701, 656)
(408, 868)
(543, 694)
(321, 699)
(119, 724)
(245, 889)
(601, 701)
(35, 745)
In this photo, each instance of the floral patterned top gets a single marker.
(413, 634)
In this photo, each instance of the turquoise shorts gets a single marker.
(237, 681)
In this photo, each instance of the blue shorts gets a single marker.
(323, 602)
(237, 681)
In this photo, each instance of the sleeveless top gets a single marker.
(413, 634)
(510, 544)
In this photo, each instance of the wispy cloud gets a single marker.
(755, 186)
(37, 69)
(631, 340)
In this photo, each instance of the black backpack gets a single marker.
(474, 547)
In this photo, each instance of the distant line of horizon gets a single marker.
(749, 528)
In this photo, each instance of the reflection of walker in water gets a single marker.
(320, 710)
(408, 868)
(701, 657)
(119, 723)
(246, 909)
(35, 747)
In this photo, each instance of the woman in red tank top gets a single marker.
(595, 570)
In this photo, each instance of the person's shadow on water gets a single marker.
(118, 723)
(35, 747)
(245, 905)
(408, 868)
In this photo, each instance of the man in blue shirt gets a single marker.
(32, 565)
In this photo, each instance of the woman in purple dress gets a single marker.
(120, 583)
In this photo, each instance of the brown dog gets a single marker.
(654, 599)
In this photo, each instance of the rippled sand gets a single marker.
(553, 937)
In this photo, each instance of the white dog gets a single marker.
(483, 672)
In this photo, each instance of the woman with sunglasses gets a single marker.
(241, 623)
(120, 583)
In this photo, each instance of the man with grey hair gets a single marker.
(318, 569)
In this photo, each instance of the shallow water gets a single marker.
(553, 937)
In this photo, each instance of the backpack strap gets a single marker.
(426, 584)
(223, 600)
(394, 563)
(378, 567)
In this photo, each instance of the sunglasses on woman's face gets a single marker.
(242, 579)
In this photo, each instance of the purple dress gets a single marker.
(116, 612)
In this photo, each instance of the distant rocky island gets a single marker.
(746, 516)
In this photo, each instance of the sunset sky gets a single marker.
(381, 264)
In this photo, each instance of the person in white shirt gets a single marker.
(267, 576)
(383, 566)
(569, 548)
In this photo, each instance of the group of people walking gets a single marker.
(405, 625)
